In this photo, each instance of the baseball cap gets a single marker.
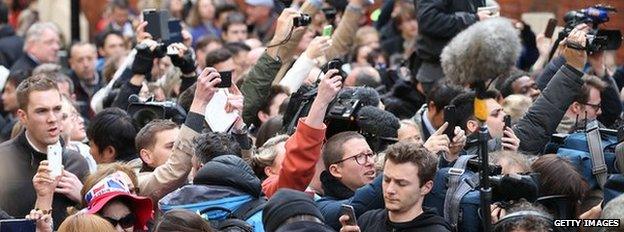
(114, 187)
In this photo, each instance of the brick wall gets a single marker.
(514, 8)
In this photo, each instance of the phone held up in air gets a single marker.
(226, 79)
(55, 159)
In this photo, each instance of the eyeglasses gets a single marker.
(360, 159)
(596, 107)
(125, 222)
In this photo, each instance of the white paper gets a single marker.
(215, 115)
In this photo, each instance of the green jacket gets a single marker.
(257, 86)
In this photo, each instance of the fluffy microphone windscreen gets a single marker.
(483, 51)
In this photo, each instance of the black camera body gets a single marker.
(144, 112)
(302, 20)
(342, 116)
(597, 39)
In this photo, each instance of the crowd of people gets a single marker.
(261, 120)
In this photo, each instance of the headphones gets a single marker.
(529, 213)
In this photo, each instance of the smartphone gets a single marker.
(157, 24)
(327, 30)
(348, 210)
(449, 117)
(550, 28)
(507, 120)
(175, 32)
(17, 225)
(226, 79)
(55, 159)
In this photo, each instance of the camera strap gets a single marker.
(457, 188)
(599, 168)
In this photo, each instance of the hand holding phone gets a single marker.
(349, 211)
(226, 79)
(550, 28)
(507, 120)
(328, 30)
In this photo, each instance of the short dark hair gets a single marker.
(236, 47)
(442, 94)
(589, 81)
(232, 19)
(415, 153)
(205, 41)
(183, 221)
(275, 90)
(558, 176)
(100, 39)
(114, 127)
(15, 78)
(333, 151)
(464, 106)
(146, 137)
(223, 8)
(37, 82)
(217, 56)
(212, 144)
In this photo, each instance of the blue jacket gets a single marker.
(365, 198)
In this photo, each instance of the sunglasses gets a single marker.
(125, 222)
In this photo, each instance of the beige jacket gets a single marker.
(171, 175)
(342, 39)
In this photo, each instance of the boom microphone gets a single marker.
(367, 95)
(380, 127)
(483, 51)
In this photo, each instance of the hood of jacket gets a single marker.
(429, 220)
(231, 171)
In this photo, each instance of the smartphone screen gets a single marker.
(327, 30)
(55, 159)
(507, 120)
(226, 79)
(449, 117)
(348, 210)
(175, 32)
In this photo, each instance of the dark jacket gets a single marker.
(365, 198)
(18, 164)
(83, 96)
(377, 221)
(540, 122)
(439, 21)
(10, 46)
(257, 87)
(230, 171)
(24, 63)
(403, 100)
(611, 105)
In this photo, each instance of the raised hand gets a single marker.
(183, 59)
(43, 221)
(317, 47)
(438, 141)
(70, 186)
(43, 182)
(205, 89)
(329, 87)
(573, 49)
(510, 141)
(458, 142)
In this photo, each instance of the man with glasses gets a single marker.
(586, 106)
(349, 165)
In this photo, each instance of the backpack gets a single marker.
(591, 151)
(226, 208)
(456, 200)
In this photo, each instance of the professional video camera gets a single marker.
(354, 109)
(597, 39)
(143, 112)
(506, 188)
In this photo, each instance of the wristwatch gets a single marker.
(242, 130)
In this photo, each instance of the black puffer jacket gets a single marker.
(441, 20)
(403, 100)
(231, 171)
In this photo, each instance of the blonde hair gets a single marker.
(516, 106)
(363, 33)
(404, 132)
(265, 156)
(512, 158)
(85, 222)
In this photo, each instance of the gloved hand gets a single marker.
(183, 59)
(143, 60)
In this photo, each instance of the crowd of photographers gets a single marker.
(314, 115)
